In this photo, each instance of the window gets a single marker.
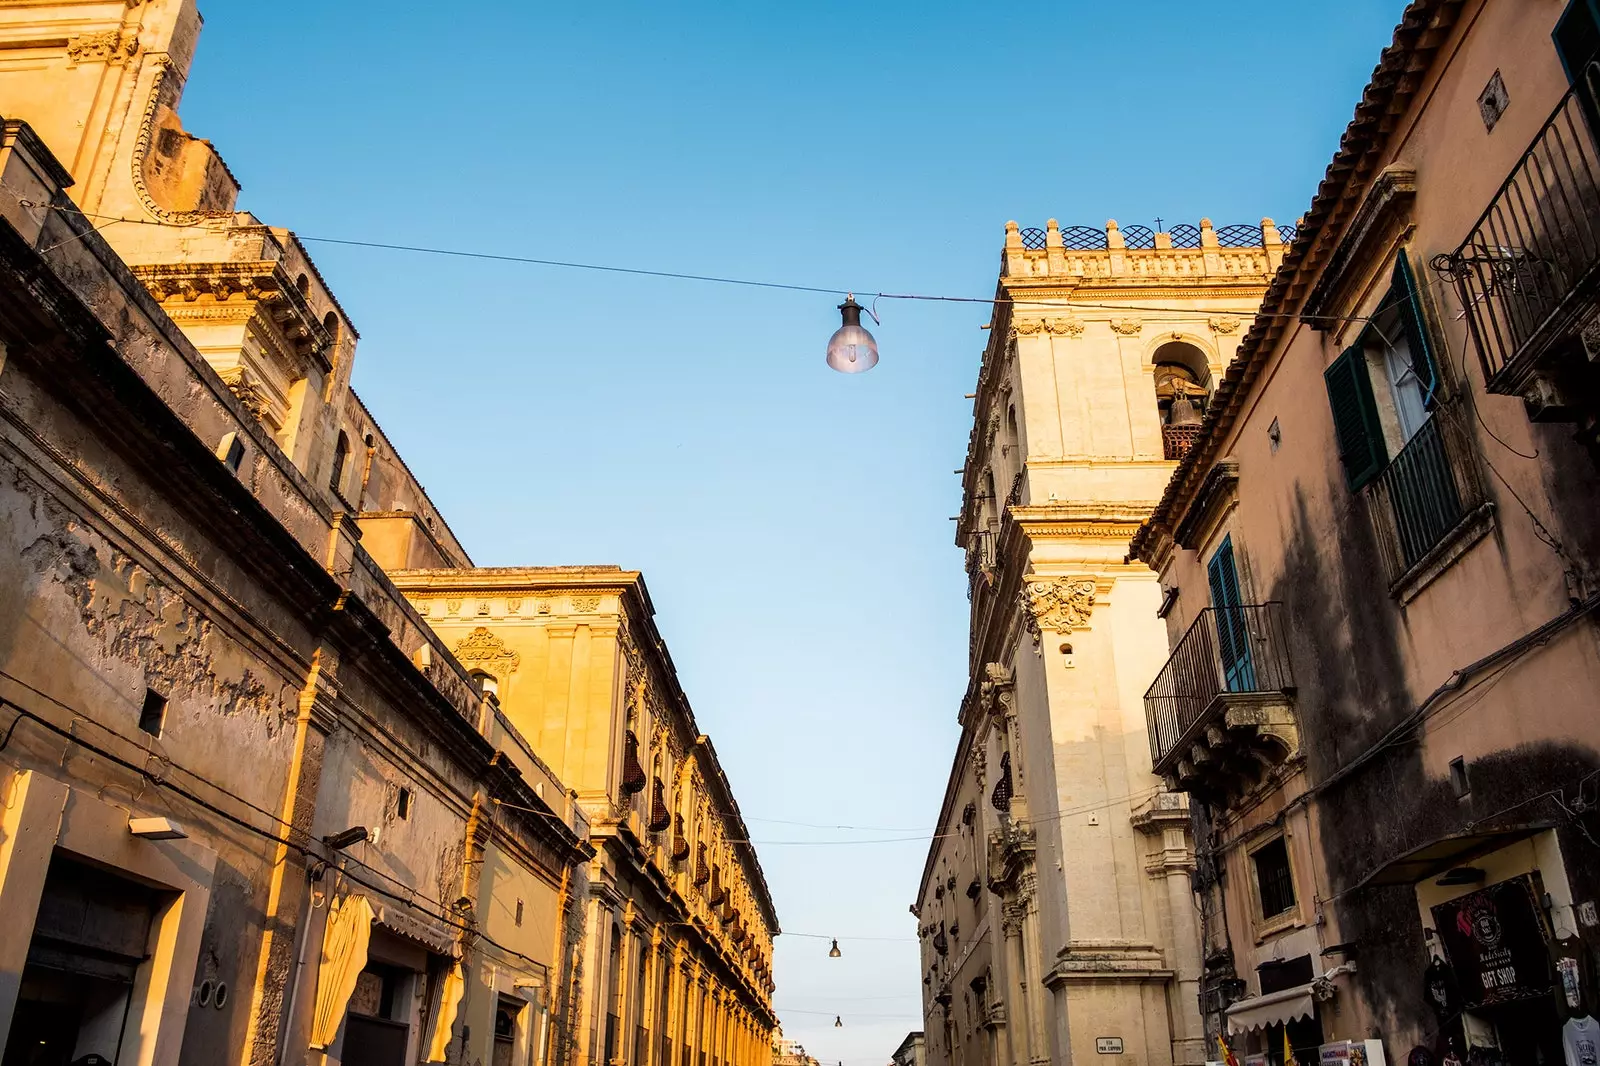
(1274, 882)
(341, 455)
(1233, 639)
(153, 715)
(402, 804)
(1393, 348)
(1397, 440)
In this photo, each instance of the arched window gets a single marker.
(614, 976)
(341, 456)
(302, 284)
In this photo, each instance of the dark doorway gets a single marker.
(90, 937)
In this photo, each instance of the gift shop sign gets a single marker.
(1495, 941)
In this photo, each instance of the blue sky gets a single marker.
(792, 523)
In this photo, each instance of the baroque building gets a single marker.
(1055, 909)
(1380, 560)
(254, 807)
(679, 957)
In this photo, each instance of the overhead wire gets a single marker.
(714, 279)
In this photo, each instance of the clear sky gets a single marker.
(792, 523)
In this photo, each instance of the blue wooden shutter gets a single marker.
(1423, 363)
(1355, 417)
(1233, 641)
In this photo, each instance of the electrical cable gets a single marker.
(829, 290)
(410, 899)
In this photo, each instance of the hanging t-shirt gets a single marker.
(1580, 1041)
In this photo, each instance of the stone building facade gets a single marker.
(1055, 911)
(678, 964)
(255, 808)
(1381, 560)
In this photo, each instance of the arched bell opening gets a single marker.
(1183, 391)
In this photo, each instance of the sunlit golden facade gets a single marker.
(305, 823)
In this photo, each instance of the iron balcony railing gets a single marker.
(1427, 490)
(1227, 650)
(1527, 269)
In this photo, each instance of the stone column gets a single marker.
(1033, 976)
(1165, 825)
(1017, 1024)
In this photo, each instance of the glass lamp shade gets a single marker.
(852, 349)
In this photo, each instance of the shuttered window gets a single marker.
(1423, 363)
(1355, 417)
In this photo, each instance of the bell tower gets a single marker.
(1105, 349)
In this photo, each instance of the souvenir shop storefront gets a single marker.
(1510, 979)
(1509, 976)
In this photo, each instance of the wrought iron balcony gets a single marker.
(1220, 711)
(1428, 490)
(1527, 273)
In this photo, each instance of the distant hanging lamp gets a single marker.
(833, 952)
(838, 1022)
(852, 349)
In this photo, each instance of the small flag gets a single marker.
(1288, 1052)
(1228, 1057)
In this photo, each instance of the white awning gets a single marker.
(1274, 1008)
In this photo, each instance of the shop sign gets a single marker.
(1108, 1045)
(1343, 1053)
(1495, 942)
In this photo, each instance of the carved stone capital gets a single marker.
(1070, 326)
(1127, 327)
(997, 690)
(1225, 324)
(1058, 604)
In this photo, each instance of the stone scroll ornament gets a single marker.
(1057, 604)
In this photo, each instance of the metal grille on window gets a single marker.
(680, 840)
(1273, 878)
(633, 776)
(941, 944)
(1001, 797)
(702, 872)
(717, 894)
(660, 817)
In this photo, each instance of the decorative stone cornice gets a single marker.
(1058, 604)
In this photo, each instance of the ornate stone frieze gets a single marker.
(482, 650)
(585, 604)
(111, 46)
(1127, 327)
(1059, 604)
(980, 765)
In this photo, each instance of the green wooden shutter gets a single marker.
(1423, 362)
(1355, 417)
